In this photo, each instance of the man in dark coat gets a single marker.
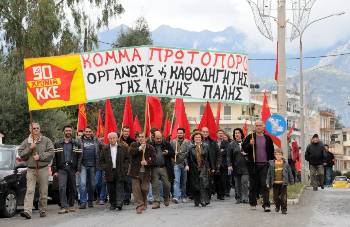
(114, 160)
(221, 180)
(163, 169)
(127, 141)
(328, 168)
(260, 150)
(214, 158)
(315, 155)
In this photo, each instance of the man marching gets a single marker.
(37, 150)
(142, 158)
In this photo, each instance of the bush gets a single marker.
(347, 174)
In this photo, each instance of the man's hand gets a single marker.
(77, 173)
(230, 168)
(144, 163)
(187, 168)
(324, 164)
(55, 174)
(36, 157)
(243, 153)
(252, 141)
(143, 146)
(32, 146)
(165, 152)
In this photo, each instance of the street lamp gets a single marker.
(302, 108)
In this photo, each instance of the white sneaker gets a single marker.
(184, 200)
(175, 200)
(253, 207)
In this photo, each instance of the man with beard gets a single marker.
(114, 160)
(142, 160)
(163, 169)
(66, 165)
(127, 140)
(180, 145)
(260, 150)
(91, 149)
(214, 159)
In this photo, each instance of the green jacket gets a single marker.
(181, 152)
(44, 148)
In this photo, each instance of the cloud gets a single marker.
(198, 15)
(219, 39)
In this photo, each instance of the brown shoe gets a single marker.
(156, 205)
(166, 202)
(71, 209)
(139, 210)
(63, 211)
(43, 214)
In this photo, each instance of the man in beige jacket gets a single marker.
(38, 151)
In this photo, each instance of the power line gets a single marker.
(297, 58)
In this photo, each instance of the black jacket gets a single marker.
(122, 162)
(128, 140)
(329, 157)
(236, 159)
(214, 156)
(167, 158)
(248, 148)
(223, 153)
(59, 160)
(315, 153)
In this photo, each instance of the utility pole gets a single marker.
(281, 82)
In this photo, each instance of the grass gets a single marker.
(294, 190)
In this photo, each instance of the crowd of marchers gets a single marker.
(155, 169)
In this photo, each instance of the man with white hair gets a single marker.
(260, 150)
(114, 160)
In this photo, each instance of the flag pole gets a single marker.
(149, 122)
(34, 150)
(251, 126)
(172, 121)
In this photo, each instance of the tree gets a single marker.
(38, 29)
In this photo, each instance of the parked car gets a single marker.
(341, 182)
(13, 183)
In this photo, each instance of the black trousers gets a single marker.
(280, 196)
(66, 186)
(116, 191)
(220, 180)
(257, 178)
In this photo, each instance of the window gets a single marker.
(344, 137)
(345, 165)
(201, 110)
(227, 112)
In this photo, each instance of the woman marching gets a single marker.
(197, 166)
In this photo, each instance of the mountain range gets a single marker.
(326, 79)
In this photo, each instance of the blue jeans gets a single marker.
(101, 185)
(328, 175)
(87, 184)
(180, 181)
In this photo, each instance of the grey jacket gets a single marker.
(181, 151)
(44, 148)
(287, 174)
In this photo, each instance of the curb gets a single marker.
(296, 201)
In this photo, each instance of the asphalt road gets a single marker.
(327, 207)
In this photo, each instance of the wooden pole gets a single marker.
(34, 150)
(251, 127)
(172, 121)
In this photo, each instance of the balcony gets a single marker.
(346, 143)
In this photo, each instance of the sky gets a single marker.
(198, 15)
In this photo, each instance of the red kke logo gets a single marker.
(48, 82)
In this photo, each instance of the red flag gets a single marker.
(137, 126)
(295, 151)
(154, 114)
(217, 120)
(128, 118)
(276, 69)
(100, 128)
(166, 130)
(245, 128)
(265, 114)
(82, 120)
(181, 119)
(110, 122)
(209, 122)
(291, 129)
